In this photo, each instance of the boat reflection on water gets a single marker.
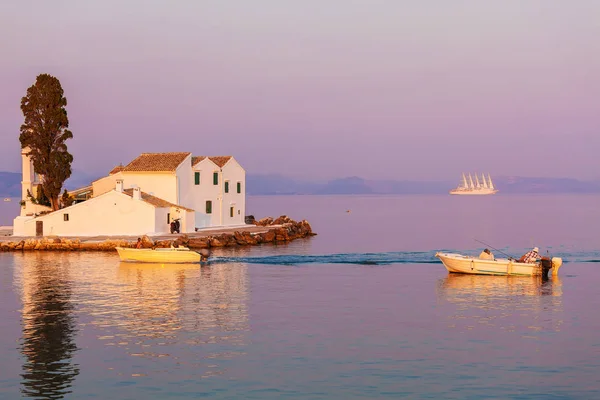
(506, 302)
(180, 313)
(187, 295)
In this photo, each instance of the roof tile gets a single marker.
(197, 159)
(155, 201)
(220, 160)
(116, 169)
(156, 162)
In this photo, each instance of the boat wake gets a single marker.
(343, 258)
(384, 258)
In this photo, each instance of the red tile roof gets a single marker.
(197, 159)
(156, 162)
(116, 169)
(219, 160)
(155, 201)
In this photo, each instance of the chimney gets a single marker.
(137, 193)
(119, 186)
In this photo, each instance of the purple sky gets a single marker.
(316, 89)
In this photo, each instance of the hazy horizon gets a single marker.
(316, 90)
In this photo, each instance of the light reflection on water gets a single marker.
(92, 326)
(503, 302)
(166, 319)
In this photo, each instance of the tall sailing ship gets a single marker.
(468, 187)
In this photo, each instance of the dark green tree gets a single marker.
(66, 199)
(44, 132)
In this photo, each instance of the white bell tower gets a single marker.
(29, 182)
(28, 174)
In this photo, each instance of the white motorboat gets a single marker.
(462, 264)
(7, 199)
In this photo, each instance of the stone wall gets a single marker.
(283, 230)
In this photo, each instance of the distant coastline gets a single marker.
(278, 185)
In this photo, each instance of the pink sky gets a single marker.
(316, 89)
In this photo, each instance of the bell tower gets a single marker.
(29, 182)
(28, 174)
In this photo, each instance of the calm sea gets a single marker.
(363, 310)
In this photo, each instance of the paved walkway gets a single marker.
(7, 230)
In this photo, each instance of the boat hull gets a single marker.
(461, 264)
(162, 256)
(475, 192)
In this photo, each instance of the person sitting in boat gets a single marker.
(531, 256)
(138, 245)
(486, 254)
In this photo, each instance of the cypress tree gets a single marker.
(44, 132)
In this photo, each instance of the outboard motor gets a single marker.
(204, 254)
(546, 266)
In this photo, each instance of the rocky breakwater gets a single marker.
(279, 230)
(282, 230)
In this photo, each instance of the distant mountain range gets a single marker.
(273, 184)
(279, 185)
(10, 184)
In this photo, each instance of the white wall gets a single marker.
(19, 228)
(106, 184)
(109, 214)
(234, 173)
(206, 190)
(160, 225)
(188, 221)
(160, 184)
(185, 183)
(202, 220)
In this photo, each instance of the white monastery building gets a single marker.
(143, 197)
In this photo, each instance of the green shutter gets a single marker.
(239, 187)
(215, 178)
(209, 207)
(197, 178)
(226, 187)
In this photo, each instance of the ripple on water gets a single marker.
(90, 325)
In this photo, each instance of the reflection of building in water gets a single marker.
(504, 301)
(160, 300)
(48, 340)
(167, 316)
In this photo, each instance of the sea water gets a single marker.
(362, 310)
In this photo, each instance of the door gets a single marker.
(39, 228)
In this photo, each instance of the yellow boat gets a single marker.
(172, 255)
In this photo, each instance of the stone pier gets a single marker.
(267, 230)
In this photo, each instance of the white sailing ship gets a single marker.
(468, 187)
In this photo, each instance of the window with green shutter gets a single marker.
(239, 187)
(197, 178)
(208, 207)
(226, 186)
(215, 178)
